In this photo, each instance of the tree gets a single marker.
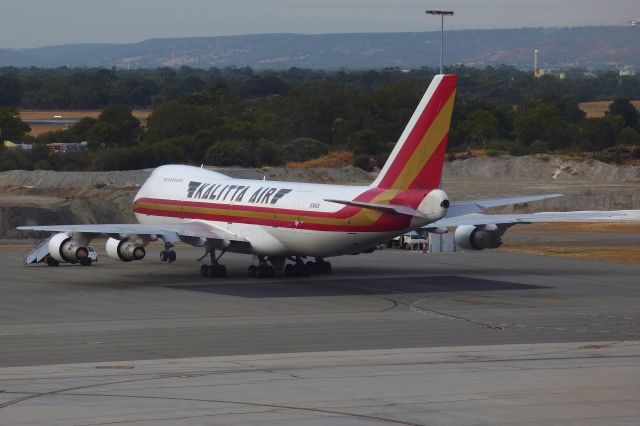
(303, 149)
(262, 86)
(597, 134)
(628, 136)
(10, 91)
(267, 153)
(366, 142)
(625, 108)
(177, 119)
(480, 127)
(537, 120)
(11, 126)
(102, 135)
(231, 153)
(133, 91)
(125, 125)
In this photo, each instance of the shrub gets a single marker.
(628, 136)
(302, 149)
(363, 162)
(518, 149)
(538, 147)
(42, 165)
(231, 153)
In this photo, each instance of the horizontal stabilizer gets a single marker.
(387, 208)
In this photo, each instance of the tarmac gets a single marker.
(392, 337)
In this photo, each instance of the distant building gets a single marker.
(550, 72)
(22, 146)
(539, 72)
(627, 71)
(67, 147)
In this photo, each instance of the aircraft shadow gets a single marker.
(368, 286)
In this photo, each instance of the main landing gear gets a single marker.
(262, 269)
(215, 269)
(302, 269)
(168, 255)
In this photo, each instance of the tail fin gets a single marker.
(418, 157)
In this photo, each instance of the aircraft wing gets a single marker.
(459, 208)
(512, 219)
(169, 232)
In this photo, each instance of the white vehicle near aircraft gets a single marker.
(283, 221)
(635, 22)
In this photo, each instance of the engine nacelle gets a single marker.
(434, 205)
(471, 237)
(64, 249)
(124, 250)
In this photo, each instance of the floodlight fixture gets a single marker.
(442, 14)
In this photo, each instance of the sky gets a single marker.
(32, 23)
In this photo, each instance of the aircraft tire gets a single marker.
(86, 261)
(270, 272)
(252, 271)
(163, 256)
(221, 271)
(172, 256)
(312, 267)
(304, 271)
(204, 270)
(52, 262)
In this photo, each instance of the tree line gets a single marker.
(236, 116)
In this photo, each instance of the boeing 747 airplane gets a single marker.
(284, 224)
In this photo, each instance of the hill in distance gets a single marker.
(589, 47)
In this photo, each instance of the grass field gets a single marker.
(598, 108)
(34, 114)
(615, 254)
(38, 129)
(608, 253)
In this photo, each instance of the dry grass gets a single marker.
(332, 159)
(582, 227)
(597, 109)
(38, 129)
(31, 114)
(615, 254)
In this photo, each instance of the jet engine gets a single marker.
(470, 237)
(125, 250)
(64, 249)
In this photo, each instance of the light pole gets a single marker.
(442, 14)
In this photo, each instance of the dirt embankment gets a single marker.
(46, 197)
(586, 184)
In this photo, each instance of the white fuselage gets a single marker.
(276, 218)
